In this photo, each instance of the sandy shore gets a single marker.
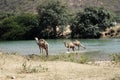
(17, 67)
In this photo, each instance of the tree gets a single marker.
(22, 26)
(52, 13)
(29, 22)
(90, 22)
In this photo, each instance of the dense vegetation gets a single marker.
(52, 15)
(90, 22)
(18, 27)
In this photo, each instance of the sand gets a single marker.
(17, 67)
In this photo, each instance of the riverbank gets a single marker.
(113, 32)
(17, 67)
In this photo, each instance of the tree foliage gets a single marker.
(52, 13)
(90, 22)
(18, 27)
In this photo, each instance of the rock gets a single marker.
(12, 77)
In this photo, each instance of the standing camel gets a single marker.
(78, 44)
(69, 45)
(42, 45)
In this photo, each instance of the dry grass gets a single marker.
(71, 57)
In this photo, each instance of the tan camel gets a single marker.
(42, 45)
(69, 45)
(78, 44)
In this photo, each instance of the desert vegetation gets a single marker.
(71, 57)
(116, 58)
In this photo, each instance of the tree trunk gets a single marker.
(54, 32)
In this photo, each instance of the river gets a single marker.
(96, 47)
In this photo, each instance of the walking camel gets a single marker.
(42, 45)
(78, 44)
(69, 45)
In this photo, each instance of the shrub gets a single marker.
(71, 57)
(117, 77)
(83, 59)
(32, 69)
(22, 26)
(90, 22)
(116, 57)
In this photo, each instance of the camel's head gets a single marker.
(64, 41)
(36, 38)
(37, 41)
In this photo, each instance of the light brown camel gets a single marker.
(78, 44)
(42, 45)
(69, 45)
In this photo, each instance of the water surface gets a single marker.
(56, 46)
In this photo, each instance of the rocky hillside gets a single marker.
(30, 5)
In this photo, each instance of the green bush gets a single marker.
(28, 68)
(22, 26)
(90, 22)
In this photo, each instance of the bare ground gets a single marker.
(16, 67)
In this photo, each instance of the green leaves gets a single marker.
(52, 13)
(18, 27)
(90, 22)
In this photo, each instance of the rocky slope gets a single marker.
(30, 5)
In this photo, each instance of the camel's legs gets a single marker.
(46, 52)
(68, 50)
(82, 46)
(40, 49)
(73, 49)
(78, 47)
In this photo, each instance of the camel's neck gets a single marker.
(65, 44)
(37, 41)
(82, 45)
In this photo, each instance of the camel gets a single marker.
(69, 45)
(78, 44)
(42, 45)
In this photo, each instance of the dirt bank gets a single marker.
(17, 67)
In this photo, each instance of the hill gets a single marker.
(17, 6)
